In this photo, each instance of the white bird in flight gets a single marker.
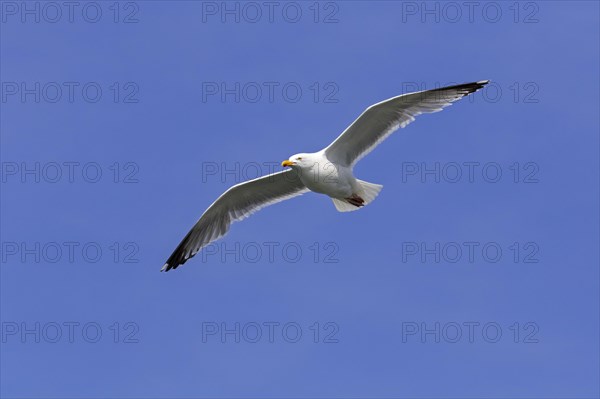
(328, 171)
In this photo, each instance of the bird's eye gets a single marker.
(299, 159)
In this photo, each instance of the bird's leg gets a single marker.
(355, 200)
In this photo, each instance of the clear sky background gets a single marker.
(370, 279)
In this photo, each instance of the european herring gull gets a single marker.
(329, 171)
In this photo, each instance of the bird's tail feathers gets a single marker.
(367, 192)
(343, 206)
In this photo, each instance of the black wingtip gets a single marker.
(465, 88)
(478, 85)
(175, 260)
(169, 265)
(178, 256)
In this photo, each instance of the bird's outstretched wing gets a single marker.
(237, 203)
(380, 120)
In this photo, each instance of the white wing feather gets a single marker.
(235, 204)
(380, 120)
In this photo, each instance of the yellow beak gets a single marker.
(287, 162)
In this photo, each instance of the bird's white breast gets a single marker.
(328, 178)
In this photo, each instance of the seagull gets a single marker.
(329, 171)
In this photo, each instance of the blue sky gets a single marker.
(116, 136)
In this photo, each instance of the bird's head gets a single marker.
(299, 161)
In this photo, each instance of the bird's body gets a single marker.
(329, 171)
(322, 176)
